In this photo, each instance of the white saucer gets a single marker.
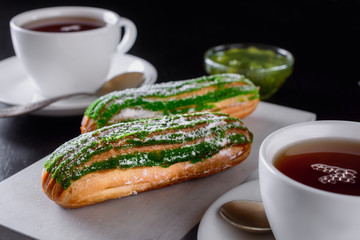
(213, 227)
(17, 88)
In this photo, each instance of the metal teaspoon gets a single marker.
(119, 82)
(246, 215)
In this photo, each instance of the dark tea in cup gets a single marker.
(69, 49)
(64, 24)
(327, 164)
(309, 180)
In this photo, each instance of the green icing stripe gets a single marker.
(105, 107)
(66, 164)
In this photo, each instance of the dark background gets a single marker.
(173, 36)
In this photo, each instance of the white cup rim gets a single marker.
(109, 17)
(268, 164)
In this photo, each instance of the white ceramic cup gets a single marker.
(67, 62)
(297, 211)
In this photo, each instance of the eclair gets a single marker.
(226, 93)
(140, 155)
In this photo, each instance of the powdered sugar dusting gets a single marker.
(133, 113)
(199, 136)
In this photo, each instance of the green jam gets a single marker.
(158, 98)
(205, 131)
(264, 67)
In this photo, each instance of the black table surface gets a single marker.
(173, 36)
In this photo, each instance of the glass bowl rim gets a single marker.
(278, 50)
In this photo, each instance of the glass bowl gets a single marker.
(266, 66)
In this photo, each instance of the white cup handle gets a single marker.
(130, 33)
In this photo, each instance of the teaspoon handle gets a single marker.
(23, 109)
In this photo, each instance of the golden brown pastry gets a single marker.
(139, 155)
(226, 93)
